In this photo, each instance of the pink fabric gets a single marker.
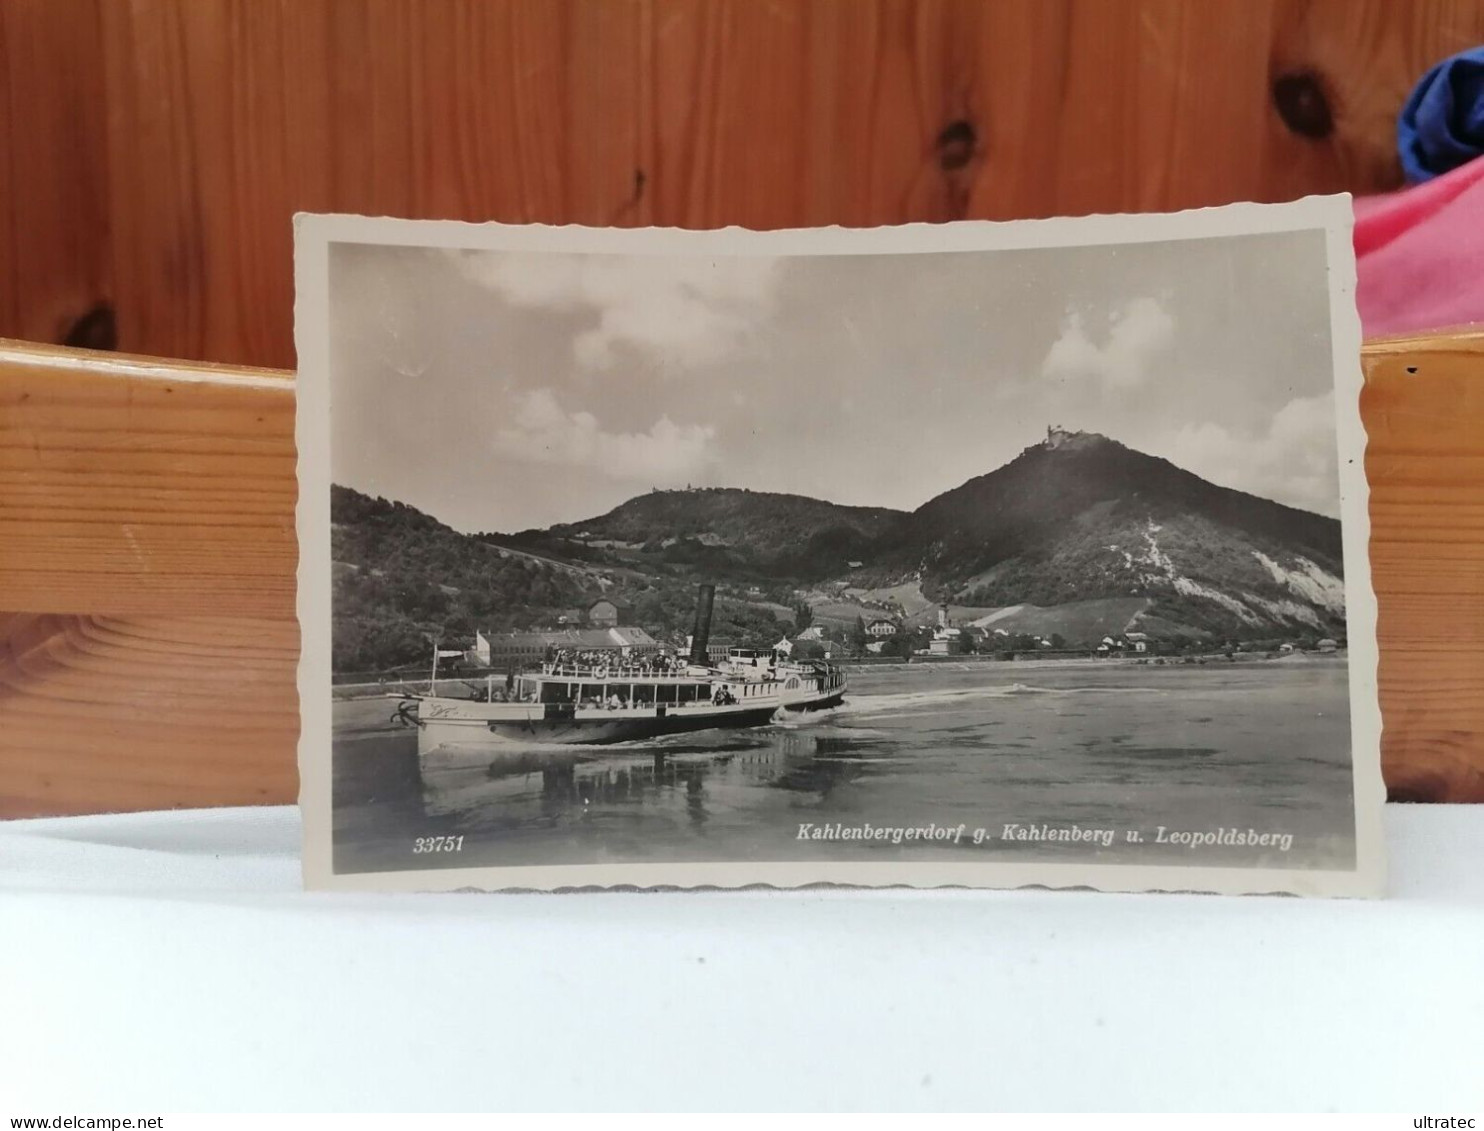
(1420, 254)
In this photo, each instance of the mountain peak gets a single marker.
(1079, 516)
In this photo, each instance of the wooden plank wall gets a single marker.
(152, 153)
(147, 526)
(155, 150)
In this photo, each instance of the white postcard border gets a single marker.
(315, 233)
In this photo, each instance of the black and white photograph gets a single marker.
(976, 554)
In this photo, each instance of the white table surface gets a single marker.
(168, 962)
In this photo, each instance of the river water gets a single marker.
(1259, 746)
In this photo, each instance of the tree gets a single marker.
(858, 635)
(899, 645)
(803, 616)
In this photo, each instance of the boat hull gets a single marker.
(451, 729)
(600, 732)
(817, 702)
(478, 726)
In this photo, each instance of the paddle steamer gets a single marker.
(628, 699)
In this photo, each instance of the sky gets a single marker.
(500, 391)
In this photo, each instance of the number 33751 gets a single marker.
(438, 844)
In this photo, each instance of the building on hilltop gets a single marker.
(1058, 437)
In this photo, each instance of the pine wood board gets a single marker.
(156, 150)
(1423, 407)
(149, 646)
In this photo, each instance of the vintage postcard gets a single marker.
(976, 554)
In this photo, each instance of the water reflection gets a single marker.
(798, 763)
(1270, 749)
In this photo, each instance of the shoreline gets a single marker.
(355, 692)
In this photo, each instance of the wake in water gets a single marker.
(922, 702)
(900, 704)
(914, 702)
(805, 720)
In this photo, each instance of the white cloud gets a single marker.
(545, 433)
(682, 311)
(1137, 334)
(1293, 461)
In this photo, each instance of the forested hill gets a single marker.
(1077, 518)
(402, 577)
(735, 531)
(401, 574)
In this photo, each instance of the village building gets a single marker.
(948, 638)
(716, 650)
(502, 649)
(1328, 645)
(604, 612)
(813, 632)
(1136, 643)
(881, 628)
(946, 645)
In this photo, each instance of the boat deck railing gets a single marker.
(631, 671)
(611, 671)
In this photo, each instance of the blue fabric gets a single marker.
(1442, 124)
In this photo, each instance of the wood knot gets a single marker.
(956, 145)
(1303, 105)
(95, 330)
